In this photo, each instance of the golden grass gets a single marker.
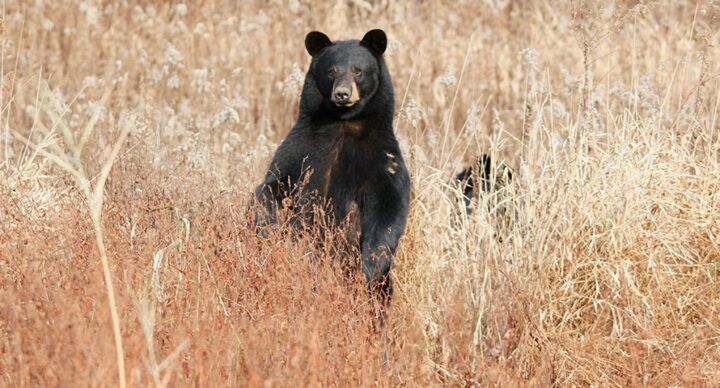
(599, 265)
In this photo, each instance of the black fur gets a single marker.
(375, 41)
(468, 180)
(342, 155)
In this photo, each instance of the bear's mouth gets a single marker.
(345, 104)
(344, 95)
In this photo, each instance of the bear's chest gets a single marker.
(349, 166)
(350, 162)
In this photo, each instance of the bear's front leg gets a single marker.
(384, 215)
(268, 198)
(280, 180)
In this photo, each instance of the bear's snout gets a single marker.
(341, 95)
(345, 93)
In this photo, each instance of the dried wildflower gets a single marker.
(448, 78)
(497, 5)
(293, 82)
(261, 140)
(556, 142)
(185, 107)
(179, 27)
(200, 80)
(91, 12)
(262, 18)
(227, 115)
(294, 6)
(571, 84)
(47, 24)
(60, 100)
(431, 137)
(411, 113)
(240, 102)
(530, 56)
(650, 100)
(181, 9)
(155, 75)
(151, 11)
(30, 111)
(229, 23)
(558, 109)
(498, 126)
(627, 96)
(234, 137)
(90, 82)
(173, 82)
(137, 16)
(393, 46)
(200, 29)
(473, 123)
(597, 94)
(563, 24)
(96, 108)
(202, 122)
(247, 26)
(173, 57)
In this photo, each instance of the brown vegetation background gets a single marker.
(599, 265)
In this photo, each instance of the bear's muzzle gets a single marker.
(345, 92)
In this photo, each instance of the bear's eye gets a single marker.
(332, 72)
(356, 72)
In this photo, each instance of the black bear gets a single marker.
(477, 178)
(342, 153)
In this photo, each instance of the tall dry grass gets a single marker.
(598, 265)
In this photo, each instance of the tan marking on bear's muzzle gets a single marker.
(354, 94)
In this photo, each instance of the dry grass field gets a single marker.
(133, 132)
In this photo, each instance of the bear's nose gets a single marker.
(341, 95)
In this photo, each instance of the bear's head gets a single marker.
(347, 74)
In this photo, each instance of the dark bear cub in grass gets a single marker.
(342, 154)
(478, 178)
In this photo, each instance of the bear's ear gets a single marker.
(375, 41)
(315, 42)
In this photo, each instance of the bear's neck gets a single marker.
(352, 129)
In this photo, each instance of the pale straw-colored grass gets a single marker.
(599, 264)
